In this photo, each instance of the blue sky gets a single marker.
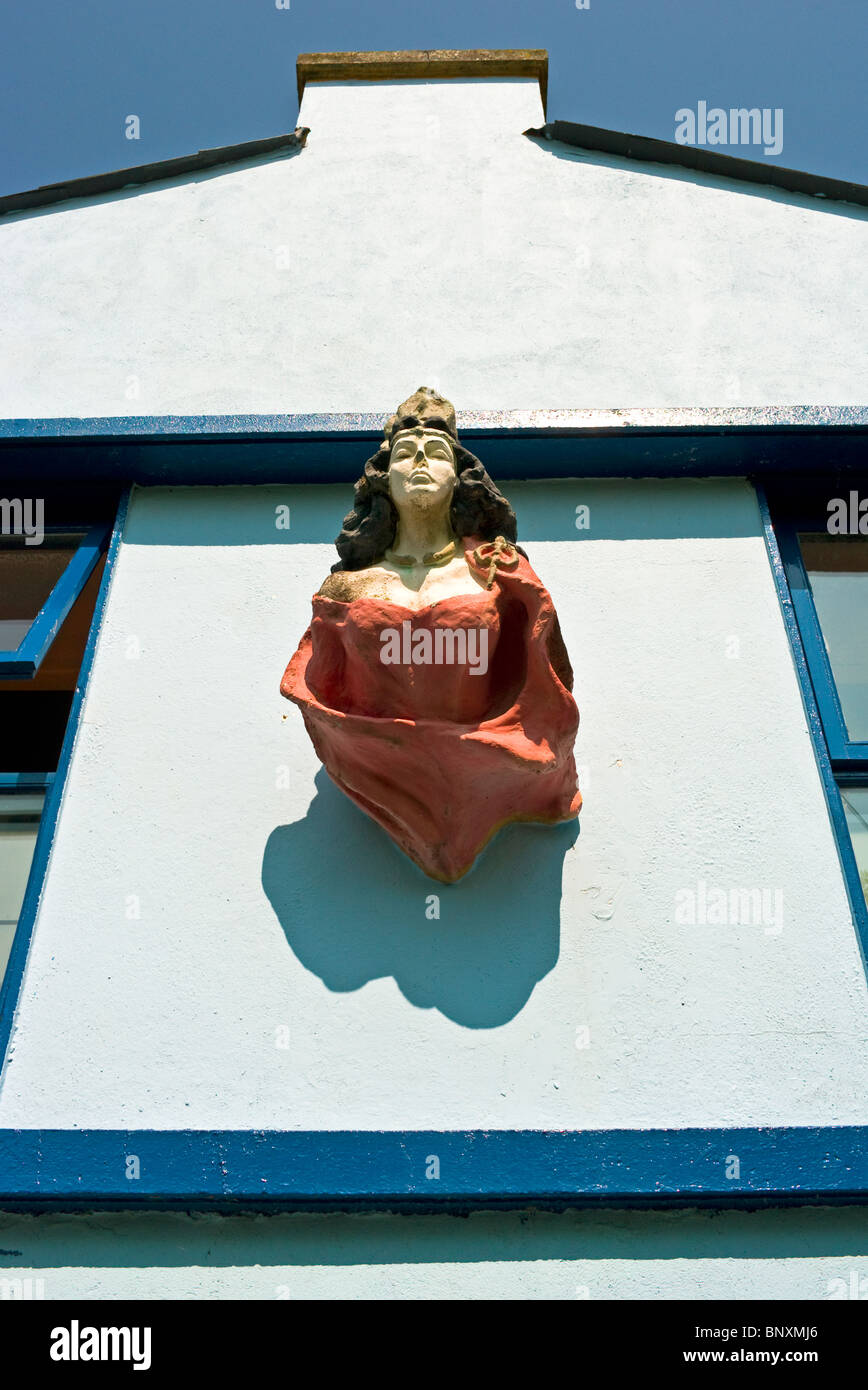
(200, 73)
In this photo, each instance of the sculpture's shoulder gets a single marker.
(337, 585)
(346, 585)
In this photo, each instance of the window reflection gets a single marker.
(837, 568)
(856, 810)
(28, 573)
(20, 813)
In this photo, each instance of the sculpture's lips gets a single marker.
(421, 475)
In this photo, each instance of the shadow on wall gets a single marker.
(356, 914)
(253, 1246)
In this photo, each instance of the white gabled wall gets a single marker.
(192, 906)
(421, 237)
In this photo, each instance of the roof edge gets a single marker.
(428, 63)
(93, 184)
(649, 150)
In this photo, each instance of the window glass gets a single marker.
(837, 568)
(19, 821)
(856, 810)
(28, 573)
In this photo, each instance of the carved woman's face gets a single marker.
(421, 468)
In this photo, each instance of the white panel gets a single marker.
(195, 903)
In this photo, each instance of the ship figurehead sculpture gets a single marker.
(433, 679)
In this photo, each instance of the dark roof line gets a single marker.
(93, 184)
(639, 147)
(643, 147)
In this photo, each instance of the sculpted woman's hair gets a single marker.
(478, 508)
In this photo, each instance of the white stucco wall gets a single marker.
(208, 885)
(812, 1254)
(420, 232)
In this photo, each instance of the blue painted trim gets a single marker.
(203, 1168)
(25, 661)
(814, 715)
(14, 976)
(819, 668)
(25, 781)
(676, 442)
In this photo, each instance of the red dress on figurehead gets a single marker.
(442, 754)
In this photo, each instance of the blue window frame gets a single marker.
(795, 533)
(827, 573)
(798, 536)
(38, 631)
(44, 576)
(44, 573)
(48, 785)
